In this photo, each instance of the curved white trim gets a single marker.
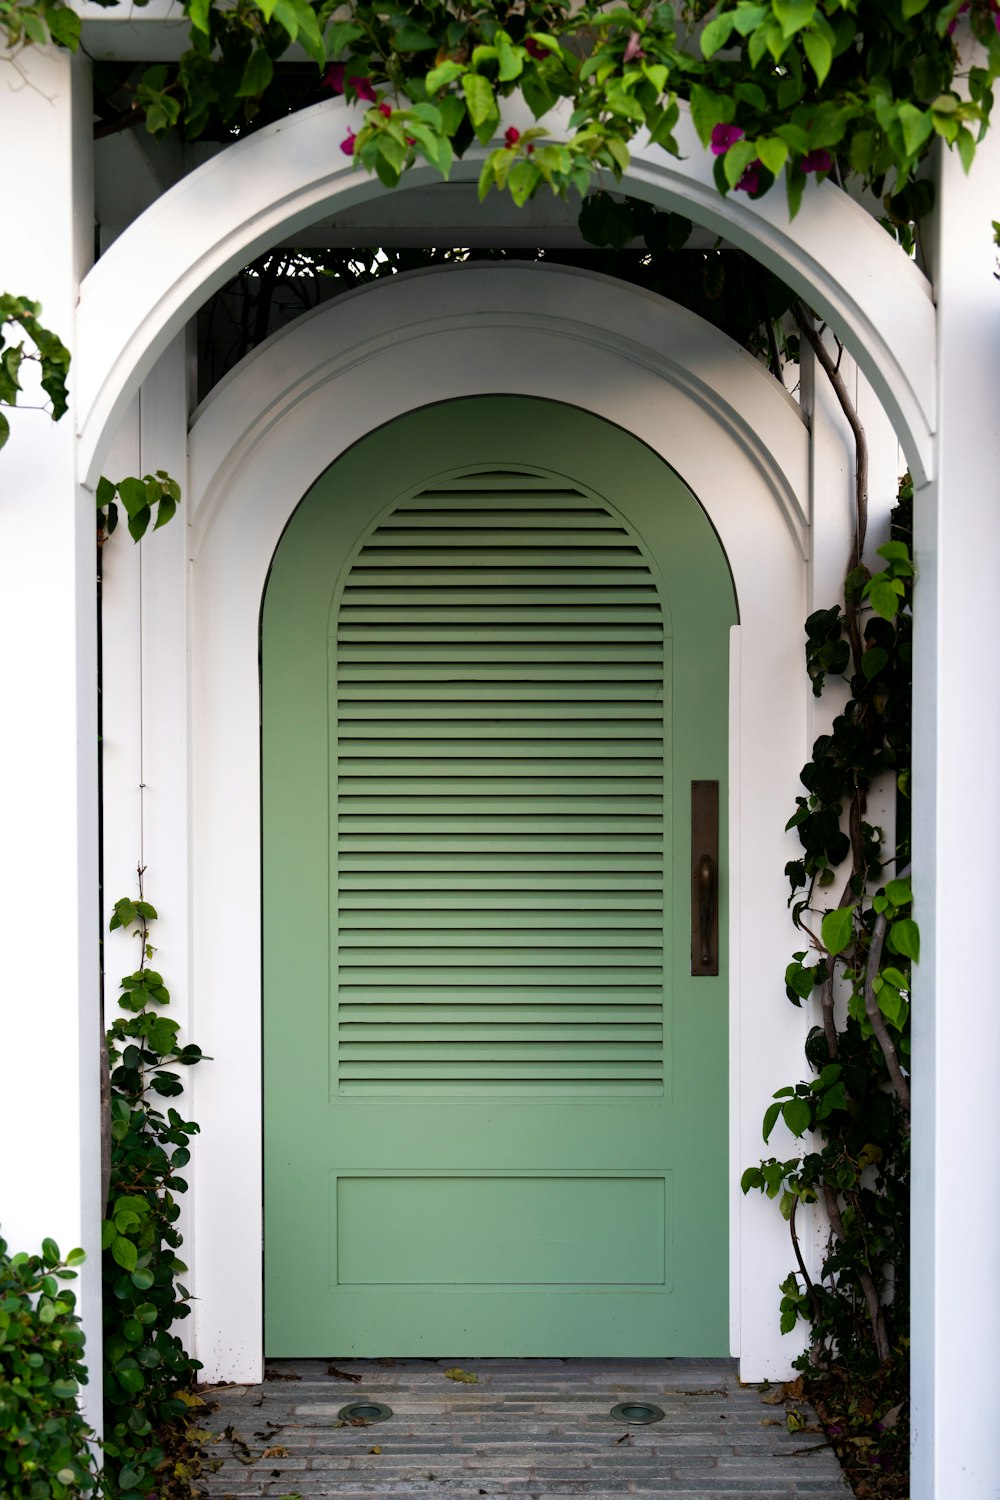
(151, 280)
(256, 447)
(444, 313)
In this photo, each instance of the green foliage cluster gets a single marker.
(861, 86)
(43, 1436)
(147, 1371)
(49, 352)
(138, 497)
(855, 1109)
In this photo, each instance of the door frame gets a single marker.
(741, 445)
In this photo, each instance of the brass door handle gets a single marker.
(706, 905)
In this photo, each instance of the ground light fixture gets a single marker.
(365, 1411)
(637, 1413)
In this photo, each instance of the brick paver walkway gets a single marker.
(537, 1428)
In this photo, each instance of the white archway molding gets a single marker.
(153, 278)
(446, 313)
(247, 475)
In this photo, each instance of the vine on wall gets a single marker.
(853, 1114)
(148, 1374)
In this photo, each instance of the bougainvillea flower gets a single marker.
(385, 109)
(817, 161)
(724, 136)
(333, 78)
(535, 49)
(634, 48)
(347, 144)
(750, 181)
(363, 88)
(511, 136)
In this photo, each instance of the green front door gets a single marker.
(494, 647)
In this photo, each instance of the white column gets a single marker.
(956, 1099)
(49, 1098)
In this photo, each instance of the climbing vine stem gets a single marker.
(148, 1374)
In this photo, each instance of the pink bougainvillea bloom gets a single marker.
(347, 144)
(530, 147)
(634, 48)
(817, 161)
(535, 49)
(750, 181)
(363, 88)
(385, 109)
(333, 78)
(724, 136)
(511, 136)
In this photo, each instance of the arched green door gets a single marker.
(494, 657)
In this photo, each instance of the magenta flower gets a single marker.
(817, 161)
(750, 181)
(385, 109)
(363, 88)
(634, 48)
(333, 78)
(535, 49)
(347, 144)
(724, 136)
(511, 136)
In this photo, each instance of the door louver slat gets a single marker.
(499, 679)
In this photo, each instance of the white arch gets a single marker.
(143, 290)
(256, 446)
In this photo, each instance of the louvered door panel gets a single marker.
(499, 798)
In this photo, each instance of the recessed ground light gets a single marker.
(637, 1413)
(365, 1411)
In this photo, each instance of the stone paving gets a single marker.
(537, 1428)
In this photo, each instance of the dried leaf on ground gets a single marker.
(463, 1375)
(276, 1452)
(342, 1374)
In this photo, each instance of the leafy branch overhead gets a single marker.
(37, 345)
(797, 88)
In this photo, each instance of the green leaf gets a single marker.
(837, 929)
(445, 73)
(133, 495)
(819, 51)
(773, 152)
(917, 126)
(511, 65)
(717, 33)
(709, 109)
(797, 1115)
(125, 1253)
(793, 14)
(966, 143)
(256, 78)
(884, 599)
(904, 938)
(198, 11)
(770, 1118)
(64, 25)
(480, 100)
(899, 892)
(913, 8)
(873, 661)
(522, 181)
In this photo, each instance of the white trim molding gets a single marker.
(256, 446)
(280, 179)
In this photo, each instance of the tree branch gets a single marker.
(877, 1019)
(873, 1302)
